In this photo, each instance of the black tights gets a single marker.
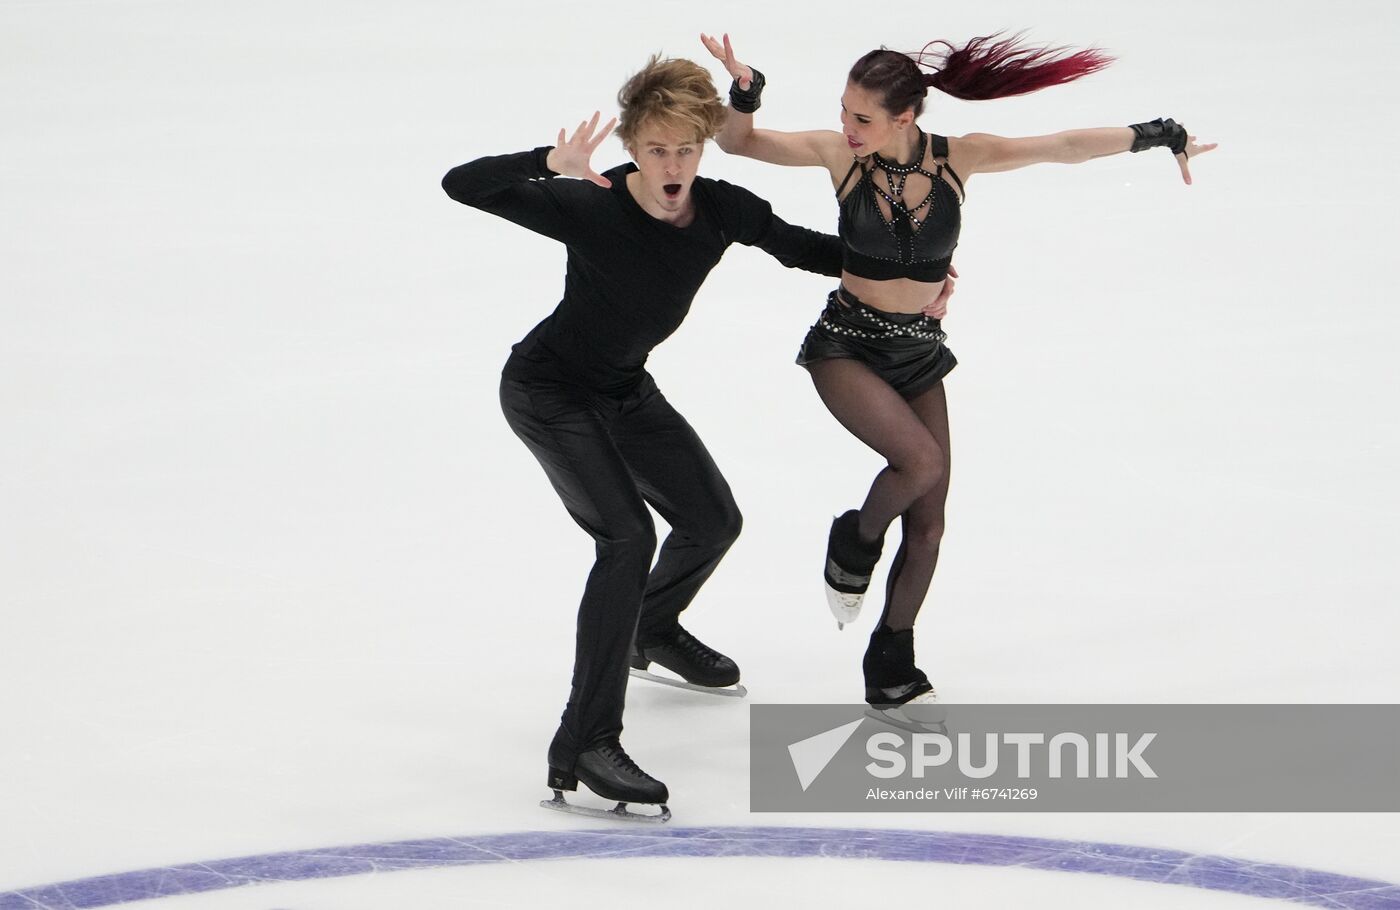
(912, 436)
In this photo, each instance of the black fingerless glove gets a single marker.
(746, 101)
(1159, 132)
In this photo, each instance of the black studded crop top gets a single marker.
(917, 241)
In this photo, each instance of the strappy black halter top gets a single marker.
(918, 240)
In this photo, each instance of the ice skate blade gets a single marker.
(845, 607)
(617, 813)
(895, 718)
(734, 691)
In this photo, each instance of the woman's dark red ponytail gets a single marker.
(986, 68)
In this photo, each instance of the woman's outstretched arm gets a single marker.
(813, 148)
(985, 153)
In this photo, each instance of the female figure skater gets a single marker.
(877, 362)
(641, 238)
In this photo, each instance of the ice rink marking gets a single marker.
(1174, 867)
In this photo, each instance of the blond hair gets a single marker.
(674, 94)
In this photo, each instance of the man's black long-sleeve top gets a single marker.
(630, 277)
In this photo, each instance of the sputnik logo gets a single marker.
(811, 756)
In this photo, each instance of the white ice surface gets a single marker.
(275, 575)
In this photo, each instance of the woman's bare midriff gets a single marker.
(897, 295)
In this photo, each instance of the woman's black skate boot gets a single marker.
(609, 772)
(895, 688)
(850, 562)
(686, 656)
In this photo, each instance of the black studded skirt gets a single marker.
(904, 349)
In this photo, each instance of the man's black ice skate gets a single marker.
(897, 691)
(850, 562)
(700, 667)
(610, 773)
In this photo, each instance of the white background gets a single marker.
(275, 574)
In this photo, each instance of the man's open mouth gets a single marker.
(672, 189)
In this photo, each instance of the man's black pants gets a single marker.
(608, 457)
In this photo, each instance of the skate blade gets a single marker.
(845, 607)
(895, 718)
(734, 691)
(617, 813)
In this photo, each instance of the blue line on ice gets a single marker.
(1216, 873)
